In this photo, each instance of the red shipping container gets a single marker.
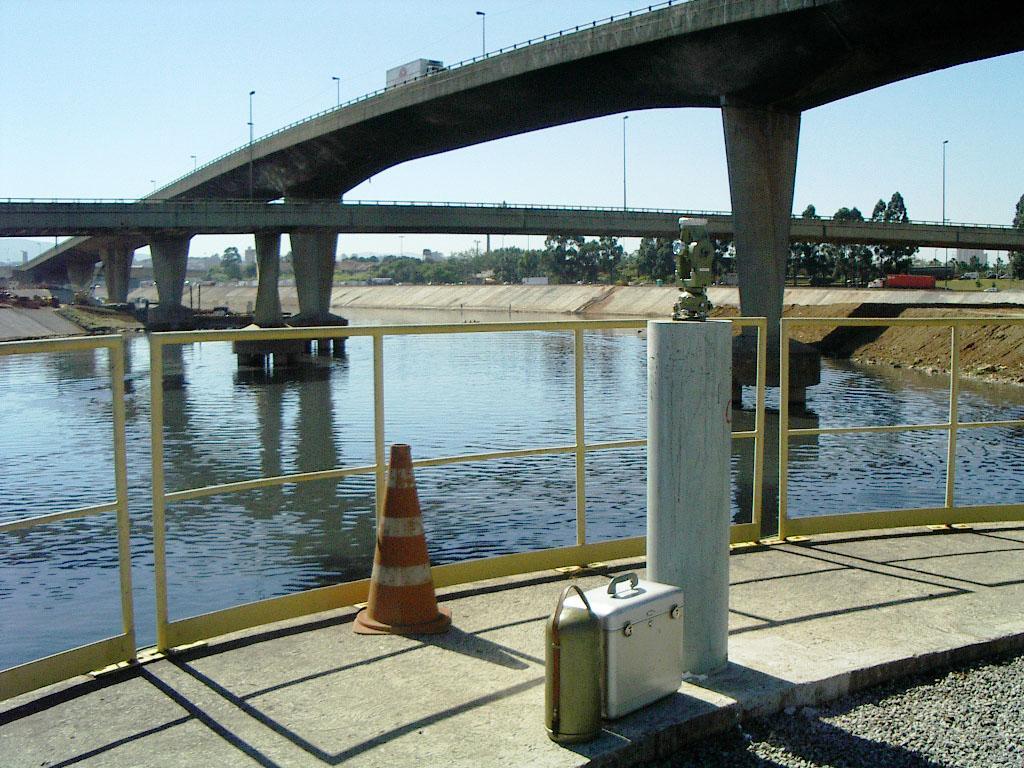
(910, 281)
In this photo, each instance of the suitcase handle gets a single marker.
(620, 579)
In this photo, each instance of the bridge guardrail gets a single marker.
(949, 513)
(171, 633)
(119, 648)
(214, 202)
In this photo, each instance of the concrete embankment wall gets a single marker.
(19, 323)
(590, 300)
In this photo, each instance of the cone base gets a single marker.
(364, 625)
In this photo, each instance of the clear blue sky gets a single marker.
(102, 98)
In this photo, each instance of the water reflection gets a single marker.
(446, 395)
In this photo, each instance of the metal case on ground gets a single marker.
(642, 641)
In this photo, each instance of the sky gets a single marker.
(106, 99)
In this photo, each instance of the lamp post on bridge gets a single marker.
(624, 119)
(483, 32)
(946, 265)
(337, 83)
(195, 163)
(251, 94)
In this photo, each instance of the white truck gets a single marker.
(412, 70)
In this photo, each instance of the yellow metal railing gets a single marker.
(113, 650)
(949, 513)
(183, 631)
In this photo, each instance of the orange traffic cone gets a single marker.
(402, 599)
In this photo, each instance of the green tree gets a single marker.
(1017, 257)
(231, 263)
(561, 259)
(807, 257)
(655, 259)
(843, 258)
(893, 259)
(609, 256)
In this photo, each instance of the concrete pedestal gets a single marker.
(688, 448)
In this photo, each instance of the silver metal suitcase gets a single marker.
(642, 647)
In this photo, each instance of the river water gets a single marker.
(445, 395)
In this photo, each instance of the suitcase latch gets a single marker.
(675, 612)
(628, 629)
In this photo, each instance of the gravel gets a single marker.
(971, 717)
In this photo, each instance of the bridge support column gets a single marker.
(81, 271)
(313, 255)
(761, 150)
(170, 257)
(268, 270)
(259, 354)
(117, 267)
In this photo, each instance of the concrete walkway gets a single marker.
(809, 622)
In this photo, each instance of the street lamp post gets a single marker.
(401, 245)
(195, 163)
(337, 83)
(483, 32)
(251, 94)
(624, 119)
(946, 265)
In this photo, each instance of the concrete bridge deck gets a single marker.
(808, 622)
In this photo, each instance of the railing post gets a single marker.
(954, 417)
(783, 424)
(378, 422)
(156, 387)
(116, 352)
(581, 445)
(762, 364)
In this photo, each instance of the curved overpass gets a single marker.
(762, 61)
(788, 55)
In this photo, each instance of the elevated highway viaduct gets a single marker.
(761, 62)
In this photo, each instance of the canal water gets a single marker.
(445, 395)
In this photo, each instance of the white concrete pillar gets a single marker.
(689, 402)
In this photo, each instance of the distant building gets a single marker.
(535, 281)
(250, 256)
(429, 255)
(965, 255)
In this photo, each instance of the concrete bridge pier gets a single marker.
(313, 255)
(259, 354)
(170, 257)
(761, 149)
(117, 267)
(81, 271)
(268, 271)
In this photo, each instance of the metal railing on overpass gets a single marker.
(213, 203)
